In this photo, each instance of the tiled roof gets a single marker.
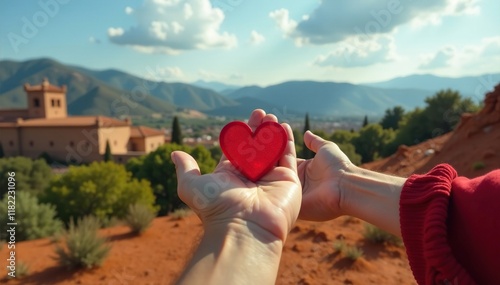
(74, 121)
(45, 86)
(142, 132)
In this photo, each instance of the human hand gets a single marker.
(320, 178)
(269, 206)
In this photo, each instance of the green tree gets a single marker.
(392, 118)
(101, 189)
(306, 153)
(440, 116)
(34, 220)
(445, 108)
(343, 136)
(371, 141)
(365, 121)
(108, 156)
(299, 141)
(159, 168)
(176, 132)
(31, 175)
(216, 152)
(350, 151)
(343, 139)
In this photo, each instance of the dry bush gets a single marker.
(22, 269)
(478, 165)
(350, 251)
(353, 252)
(84, 248)
(377, 235)
(180, 213)
(139, 218)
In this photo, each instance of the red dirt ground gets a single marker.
(158, 256)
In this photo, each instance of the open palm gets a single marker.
(271, 204)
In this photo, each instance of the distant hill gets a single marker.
(247, 104)
(179, 94)
(471, 86)
(109, 92)
(330, 98)
(113, 92)
(216, 86)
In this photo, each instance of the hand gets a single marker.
(333, 186)
(320, 178)
(225, 197)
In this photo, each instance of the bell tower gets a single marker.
(46, 100)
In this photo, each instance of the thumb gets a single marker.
(186, 167)
(314, 142)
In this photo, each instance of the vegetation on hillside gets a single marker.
(34, 220)
(159, 169)
(31, 175)
(440, 115)
(101, 189)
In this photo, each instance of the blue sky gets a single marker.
(247, 42)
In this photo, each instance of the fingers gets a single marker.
(289, 159)
(256, 118)
(270, 118)
(314, 142)
(185, 166)
(259, 116)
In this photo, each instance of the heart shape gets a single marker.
(253, 154)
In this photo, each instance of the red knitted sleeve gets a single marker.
(450, 227)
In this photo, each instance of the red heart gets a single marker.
(253, 154)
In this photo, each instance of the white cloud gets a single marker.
(483, 55)
(164, 73)
(256, 38)
(355, 52)
(172, 26)
(282, 19)
(129, 10)
(336, 20)
(115, 32)
(440, 59)
(490, 47)
(212, 76)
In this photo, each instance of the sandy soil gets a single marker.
(158, 256)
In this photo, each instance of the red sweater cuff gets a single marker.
(423, 214)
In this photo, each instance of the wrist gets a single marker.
(235, 252)
(245, 234)
(372, 196)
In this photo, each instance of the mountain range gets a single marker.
(114, 93)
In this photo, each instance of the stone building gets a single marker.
(45, 127)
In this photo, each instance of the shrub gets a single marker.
(339, 246)
(376, 235)
(101, 189)
(353, 252)
(139, 218)
(84, 248)
(158, 168)
(478, 165)
(31, 175)
(350, 251)
(34, 220)
(22, 269)
(180, 213)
